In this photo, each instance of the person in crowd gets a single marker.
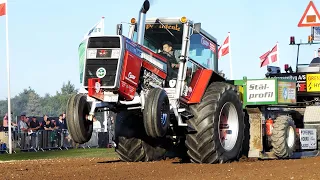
(34, 124)
(5, 122)
(24, 125)
(28, 120)
(43, 122)
(96, 124)
(61, 123)
(62, 126)
(64, 120)
(47, 124)
(22, 117)
(25, 129)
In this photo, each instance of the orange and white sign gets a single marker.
(310, 17)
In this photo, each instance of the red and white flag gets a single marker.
(224, 49)
(3, 7)
(269, 57)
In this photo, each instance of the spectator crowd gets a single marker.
(32, 132)
(33, 124)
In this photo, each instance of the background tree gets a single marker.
(34, 107)
(31, 103)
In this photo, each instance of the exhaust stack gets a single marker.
(142, 22)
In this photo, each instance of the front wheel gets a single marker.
(156, 114)
(219, 124)
(79, 127)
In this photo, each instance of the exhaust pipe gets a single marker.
(142, 22)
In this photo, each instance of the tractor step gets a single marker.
(186, 115)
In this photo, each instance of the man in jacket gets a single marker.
(173, 65)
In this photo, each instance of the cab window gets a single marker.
(202, 50)
(156, 34)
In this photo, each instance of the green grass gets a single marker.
(71, 153)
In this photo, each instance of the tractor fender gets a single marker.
(201, 79)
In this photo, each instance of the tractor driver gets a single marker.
(172, 63)
(315, 61)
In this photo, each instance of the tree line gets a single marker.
(32, 104)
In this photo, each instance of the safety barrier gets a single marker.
(43, 140)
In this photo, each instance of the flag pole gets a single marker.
(278, 60)
(8, 81)
(230, 57)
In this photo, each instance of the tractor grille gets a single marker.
(104, 46)
(109, 64)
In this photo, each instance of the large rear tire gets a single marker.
(132, 143)
(79, 127)
(283, 138)
(219, 124)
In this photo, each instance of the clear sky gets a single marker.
(44, 35)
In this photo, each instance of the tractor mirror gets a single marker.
(196, 28)
(119, 29)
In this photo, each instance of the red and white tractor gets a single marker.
(160, 105)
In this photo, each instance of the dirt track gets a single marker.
(94, 168)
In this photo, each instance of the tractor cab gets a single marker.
(188, 41)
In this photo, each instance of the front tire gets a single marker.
(218, 138)
(156, 114)
(79, 127)
(283, 138)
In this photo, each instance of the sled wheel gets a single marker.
(79, 127)
(219, 124)
(283, 138)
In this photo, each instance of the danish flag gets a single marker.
(269, 57)
(224, 49)
(3, 7)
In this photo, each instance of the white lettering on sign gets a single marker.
(300, 78)
(261, 91)
(308, 138)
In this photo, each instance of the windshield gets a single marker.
(156, 34)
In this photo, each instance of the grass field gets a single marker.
(71, 153)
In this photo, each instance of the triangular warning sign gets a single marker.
(310, 17)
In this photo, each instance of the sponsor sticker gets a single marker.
(101, 72)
